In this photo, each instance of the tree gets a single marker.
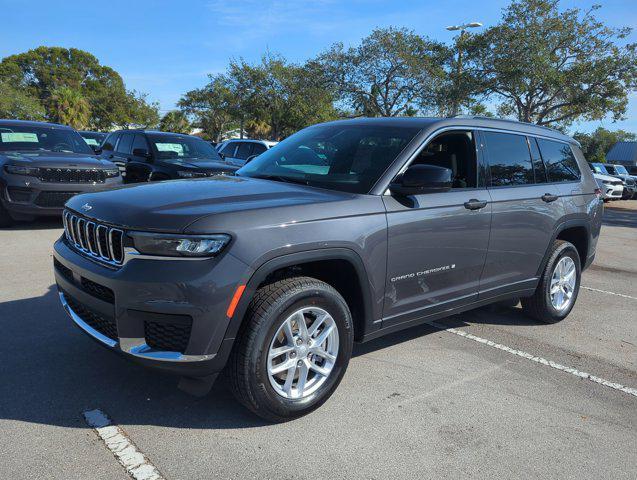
(392, 72)
(596, 145)
(16, 103)
(553, 67)
(41, 72)
(69, 107)
(138, 112)
(175, 121)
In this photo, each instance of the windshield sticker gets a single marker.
(91, 141)
(19, 137)
(170, 147)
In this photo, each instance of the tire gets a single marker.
(5, 219)
(253, 384)
(540, 305)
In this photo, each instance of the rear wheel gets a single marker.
(559, 285)
(293, 350)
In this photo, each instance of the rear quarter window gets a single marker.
(560, 162)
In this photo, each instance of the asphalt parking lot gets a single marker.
(423, 403)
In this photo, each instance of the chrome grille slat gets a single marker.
(97, 241)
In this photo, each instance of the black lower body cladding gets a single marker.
(166, 314)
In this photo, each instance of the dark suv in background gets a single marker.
(148, 155)
(343, 232)
(42, 165)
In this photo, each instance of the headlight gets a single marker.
(22, 170)
(179, 245)
(112, 172)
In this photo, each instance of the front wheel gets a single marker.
(5, 219)
(557, 290)
(293, 349)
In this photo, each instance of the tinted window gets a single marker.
(243, 152)
(125, 143)
(341, 157)
(560, 162)
(139, 142)
(228, 149)
(455, 151)
(538, 164)
(110, 142)
(509, 159)
(258, 148)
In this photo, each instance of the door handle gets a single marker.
(474, 204)
(548, 197)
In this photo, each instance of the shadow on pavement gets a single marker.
(51, 372)
(42, 223)
(620, 217)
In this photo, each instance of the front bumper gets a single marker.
(165, 314)
(28, 197)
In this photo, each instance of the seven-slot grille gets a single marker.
(98, 241)
(72, 175)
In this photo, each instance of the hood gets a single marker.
(173, 205)
(55, 159)
(606, 178)
(205, 165)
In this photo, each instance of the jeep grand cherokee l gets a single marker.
(343, 232)
(42, 165)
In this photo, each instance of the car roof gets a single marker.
(33, 123)
(459, 121)
(158, 132)
(92, 131)
(251, 140)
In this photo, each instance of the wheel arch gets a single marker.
(576, 231)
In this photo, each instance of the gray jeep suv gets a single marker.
(343, 232)
(42, 165)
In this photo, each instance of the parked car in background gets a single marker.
(617, 171)
(348, 230)
(42, 165)
(93, 139)
(612, 188)
(149, 155)
(237, 152)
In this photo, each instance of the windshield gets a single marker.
(177, 148)
(93, 138)
(598, 168)
(619, 170)
(19, 138)
(349, 158)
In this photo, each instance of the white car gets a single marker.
(612, 187)
(238, 151)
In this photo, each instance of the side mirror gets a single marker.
(96, 149)
(250, 158)
(141, 152)
(419, 179)
(222, 155)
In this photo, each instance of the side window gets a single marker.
(538, 164)
(243, 151)
(560, 162)
(258, 148)
(110, 142)
(228, 149)
(456, 151)
(139, 142)
(509, 159)
(124, 145)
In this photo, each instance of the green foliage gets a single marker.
(596, 145)
(47, 75)
(553, 67)
(392, 72)
(175, 121)
(16, 103)
(138, 112)
(69, 107)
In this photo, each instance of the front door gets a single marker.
(437, 242)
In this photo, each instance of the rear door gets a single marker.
(525, 210)
(437, 242)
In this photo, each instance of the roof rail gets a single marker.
(506, 120)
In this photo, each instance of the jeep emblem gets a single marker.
(86, 207)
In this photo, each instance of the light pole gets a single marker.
(463, 29)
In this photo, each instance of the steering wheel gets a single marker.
(58, 147)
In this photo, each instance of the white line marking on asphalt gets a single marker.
(609, 293)
(127, 454)
(540, 360)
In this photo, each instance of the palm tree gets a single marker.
(69, 107)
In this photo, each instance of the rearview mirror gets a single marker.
(419, 179)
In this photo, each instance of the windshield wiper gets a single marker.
(280, 178)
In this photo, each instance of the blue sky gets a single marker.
(165, 48)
